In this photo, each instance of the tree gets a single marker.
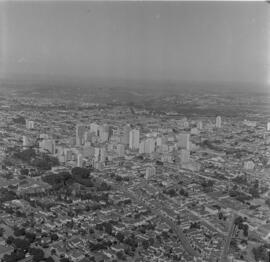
(108, 228)
(10, 240)
(21, 244)
(120, 237)
(38, 254)
(19, 231)
(145, 244)
(49, 259)
(267, 202)
(80, 171)
(30, 236)
(24, 172)
(54, 237)
(1, 231)
(245, 230)
(64, 259)
(261, 252)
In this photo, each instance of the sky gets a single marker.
(159, 41)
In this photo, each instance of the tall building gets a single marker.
(150, 145)
(184, 156)
(250, 123)
(68, 154)
(218, 122)
(26, 142)
(125, 135)
(80, 131)
(249, 165)
(268, 126)
(44, 136)
(120, 150)
(142, 147)
(183, 140)
(103, 133)
(100, 154)
(159, 141)
(200, 125)
(94, 127)
(150, 171)
(194, 131)
(47, 145)
(30, 124)
(79, 160)
(134, 139)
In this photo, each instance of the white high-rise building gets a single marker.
(194, 131)
(120, 150)
(218, 122)
(159, 141)
(26, 142)
(68, 154)
(183, 140)
(142, 147)
(184, 155)
(150, 171)
(268, 126)
(103, 133)
(30, 124)
(150, 145)
(94, 127)
(100, 154)
(80, 131)
(249, 165)
(134, 139)
(47, 145)
(200, 125)
(79, 160)
(125, 135)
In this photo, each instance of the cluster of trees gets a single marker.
(210, 145)
(183, 192)
(82, 176)
(242, 180)
(23, 246)
(254, 189)
(207, 185)
(137, 215)
(195, 225)
(106, 227)
(26, 155)
(240, 196)
(58, 180)
(171, 192)
(99, 245)
(7, 195)
(41, 161)
(239, 222)
(121, 178)
(267, 202)
(2, 231)
(46, 162)
(19, 120)
(96, 197)
(124, 202)
(261, 253)
(144, 227)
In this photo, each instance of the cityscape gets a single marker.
(132, 170)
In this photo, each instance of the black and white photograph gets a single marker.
(134, 131)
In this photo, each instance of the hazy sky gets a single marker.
(177, 41)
